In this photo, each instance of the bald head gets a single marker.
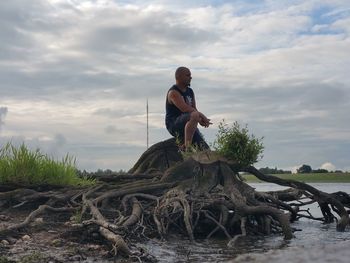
(181, 71)
(183, 77)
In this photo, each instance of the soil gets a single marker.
(50, 240)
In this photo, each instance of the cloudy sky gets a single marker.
(75, 75)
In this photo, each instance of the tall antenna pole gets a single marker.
(147, 123)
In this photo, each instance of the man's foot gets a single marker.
(182, 148)
(187, 149)
(193, 148)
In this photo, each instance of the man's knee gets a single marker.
(194, 116)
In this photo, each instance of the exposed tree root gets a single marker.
(135, 214)
(199, 197)
(33, 215)
(106, 229)
(324, 199)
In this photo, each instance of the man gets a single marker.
(182, 116)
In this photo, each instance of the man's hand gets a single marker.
(204, 121)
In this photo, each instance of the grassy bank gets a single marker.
(22, 166)
(307, 178)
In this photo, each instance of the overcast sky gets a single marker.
(75, 75)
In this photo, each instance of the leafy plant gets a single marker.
(236, 144)
(20, 165)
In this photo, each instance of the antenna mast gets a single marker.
(147, 123)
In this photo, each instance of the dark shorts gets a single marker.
(177, 129)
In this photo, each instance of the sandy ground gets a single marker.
(47, 242)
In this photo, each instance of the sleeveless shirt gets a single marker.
(172, 112)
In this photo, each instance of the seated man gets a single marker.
(182, 116)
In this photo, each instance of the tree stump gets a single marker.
(158, 158)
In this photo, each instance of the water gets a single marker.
(314, 235)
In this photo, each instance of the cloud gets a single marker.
(294, 169)
(3, 112)
(81, 71)
(59, 140)
(113, 130)
(328, 166)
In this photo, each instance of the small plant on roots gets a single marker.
(189, 151)
(236, 144)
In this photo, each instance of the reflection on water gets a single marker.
(215, 250)
(178, 249)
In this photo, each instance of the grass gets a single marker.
(307, 178)
(21, 166)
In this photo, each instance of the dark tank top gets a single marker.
(172, 112)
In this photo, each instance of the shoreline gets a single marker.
(307, 178)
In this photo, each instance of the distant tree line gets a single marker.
(305, 168)
(99, 172)
(268, 170)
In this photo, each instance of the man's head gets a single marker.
(183, 76)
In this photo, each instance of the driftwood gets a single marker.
(199, 196)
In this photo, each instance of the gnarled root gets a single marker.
(321, 197)
(106, 228)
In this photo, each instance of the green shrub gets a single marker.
(236, 144)
(19, 165)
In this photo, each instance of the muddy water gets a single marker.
(316, 242)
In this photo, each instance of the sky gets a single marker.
(75, 75)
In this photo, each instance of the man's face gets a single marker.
(185, 77)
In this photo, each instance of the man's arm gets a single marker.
(175, 98)
(194, 102)
(204, 121)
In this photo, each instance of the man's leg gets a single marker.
(199, 141)
(191, 127)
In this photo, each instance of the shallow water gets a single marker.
(313, 235)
